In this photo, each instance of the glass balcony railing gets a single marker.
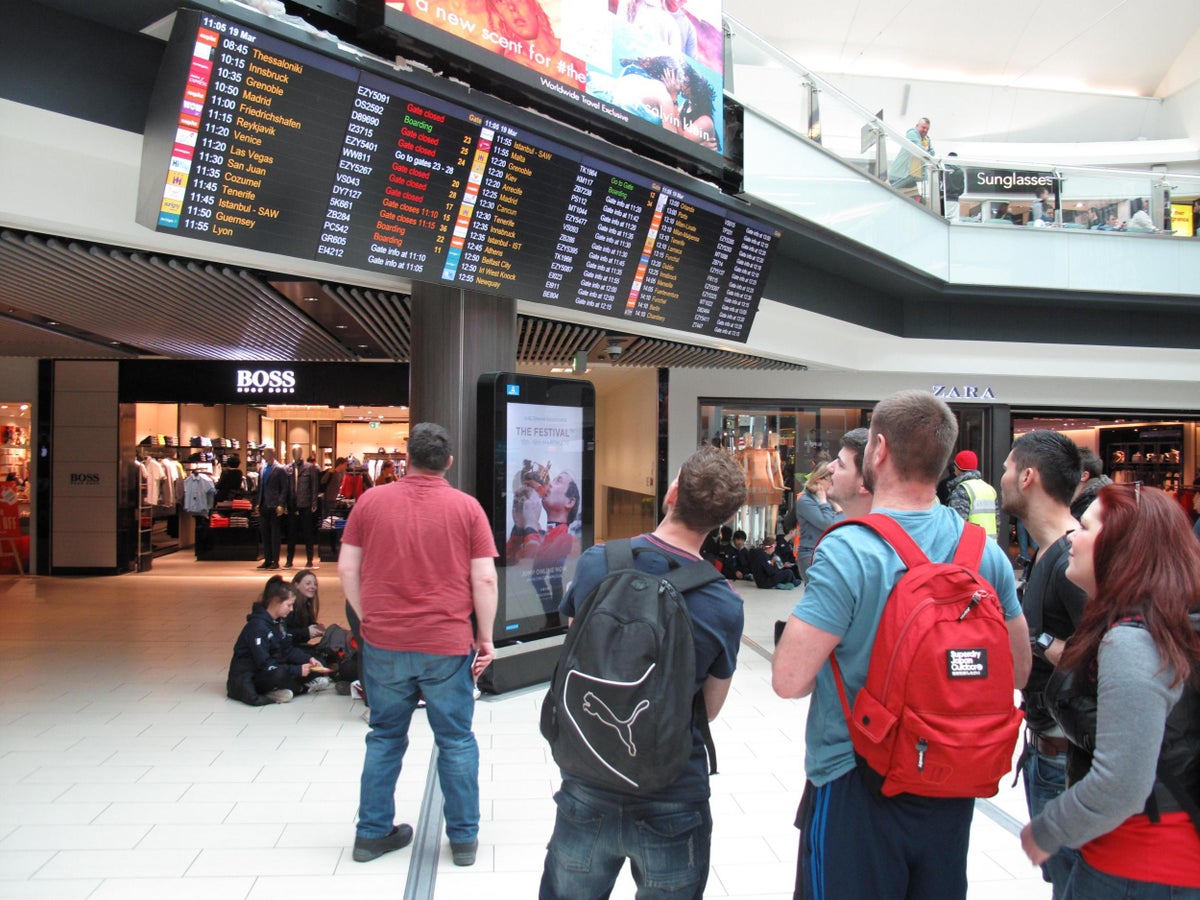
(967, 192)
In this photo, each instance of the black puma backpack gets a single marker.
(623, 702)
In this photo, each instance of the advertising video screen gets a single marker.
(655, 67)
(258, 143)
(535, 478)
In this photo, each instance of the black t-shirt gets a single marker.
(1052, 604)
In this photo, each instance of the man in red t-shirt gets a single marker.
(417, 559)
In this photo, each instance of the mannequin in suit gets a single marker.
(274, 500)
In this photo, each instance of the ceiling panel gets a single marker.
(101, 301)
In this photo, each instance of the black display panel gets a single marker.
(258, 143)
(644, 69)
(535, 478)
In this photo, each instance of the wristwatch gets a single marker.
(1042, 643)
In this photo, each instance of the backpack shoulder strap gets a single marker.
(969, 552)
(618, 554)
(892, 532)
(693, 575)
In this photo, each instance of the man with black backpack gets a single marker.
(633, 749)
(900, 828)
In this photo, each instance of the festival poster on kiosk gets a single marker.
(545, 458)
(658, 61)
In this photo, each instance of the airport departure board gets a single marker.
(259, 143)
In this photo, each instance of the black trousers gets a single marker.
(270, 534)
(301, 524)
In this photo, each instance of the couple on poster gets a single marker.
(545, 451)
(661, 60)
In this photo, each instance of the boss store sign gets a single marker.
(254, 383)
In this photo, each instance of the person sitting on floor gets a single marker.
(302, 622)
(735, 563)
(767, 569)
(266, 667)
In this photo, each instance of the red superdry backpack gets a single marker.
(936, 715)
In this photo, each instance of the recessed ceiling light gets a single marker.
(363, 346)
(51, 322)
(340, 326)
(312, 299)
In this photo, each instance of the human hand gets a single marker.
(314, 631)
(1036, 854)
(527, 512)
(305, 669)
(485, 653)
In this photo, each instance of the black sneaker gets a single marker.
(464, 854)
(367, 849)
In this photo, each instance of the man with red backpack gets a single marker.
(900, 829)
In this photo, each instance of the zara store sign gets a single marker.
(266, 381)
(963, 392)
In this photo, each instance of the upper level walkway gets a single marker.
(830, 182)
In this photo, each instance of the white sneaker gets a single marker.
(356, 690)
(283, 695)
(320, 683)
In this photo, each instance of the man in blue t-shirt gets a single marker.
(665, 835)
(855, 842)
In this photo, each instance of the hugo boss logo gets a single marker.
(85, 478)
(266, 381)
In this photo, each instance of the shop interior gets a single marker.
(15, 461)
(1162, 453)
(774, 445)
(177, 441)
(777, 445)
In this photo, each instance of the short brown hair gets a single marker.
(921, 432)
(711, 489)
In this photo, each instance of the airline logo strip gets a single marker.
(187, 131)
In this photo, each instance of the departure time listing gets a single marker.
(272, 146)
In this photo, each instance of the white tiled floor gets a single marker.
(126, 773)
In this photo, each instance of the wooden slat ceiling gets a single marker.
(83, 299)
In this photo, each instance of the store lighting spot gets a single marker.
(24, 406)
(51, 322)
(312, 299)
(340, 327)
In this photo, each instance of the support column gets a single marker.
(457, 336)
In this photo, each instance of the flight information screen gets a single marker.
(263, 144)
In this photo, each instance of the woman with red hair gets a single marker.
(1127, 694)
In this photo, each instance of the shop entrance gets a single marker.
(1157, 450)
(189, 483)
(15, 472)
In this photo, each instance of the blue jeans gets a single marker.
(666, 842)
(1091, 884)
(394, 681)
(1045, 779)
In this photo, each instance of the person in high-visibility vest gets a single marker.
(972, 497)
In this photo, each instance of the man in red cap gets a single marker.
(970, 496)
